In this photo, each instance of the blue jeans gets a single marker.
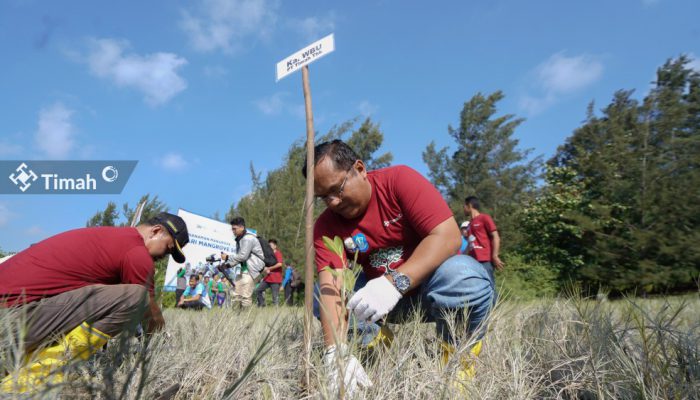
(460, 285)
(489, 268)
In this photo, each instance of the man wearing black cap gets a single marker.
(82, 287)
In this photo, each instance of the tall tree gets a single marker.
(485, 162)
(107, 217)
(152, 207)
(111, 216)
(639, 162)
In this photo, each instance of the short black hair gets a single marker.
(238, 221)
(343, 156)
(473, 202)
(195, 277)
(272, 241)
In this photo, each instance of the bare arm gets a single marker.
(441, 243)
(496, 248)
(333, 322)
(275, 267)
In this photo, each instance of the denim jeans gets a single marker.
(260, 293)
(489, 268)
(459, 285)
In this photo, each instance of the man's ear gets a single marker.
(360, 167)
(155, 230)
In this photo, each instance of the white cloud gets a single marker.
(8, 148)
(560, 75)
(278, 104)
(314, 28)
(55, 134)
(366, 108)
(5, 214)
(225, 24)
(272, 105)
(173, 162)
(155, 75)
(535, 105)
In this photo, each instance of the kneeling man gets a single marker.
(79, 288)
(405, 237)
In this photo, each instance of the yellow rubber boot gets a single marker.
(43, 367)
(384, 338)
(467, 363)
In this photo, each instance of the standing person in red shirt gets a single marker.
(482, 235)
(403, 234)
(273, 278)
(85, 286)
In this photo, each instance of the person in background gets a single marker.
(483, 237)
(181, 282)
(208, 284)
(249, 256)
(273, 278)
(291, 284)
(195, 296)
(464, 230)
(219, 290)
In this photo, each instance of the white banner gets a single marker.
(305, 56)
(207, 237)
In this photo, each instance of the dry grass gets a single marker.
(578, 349)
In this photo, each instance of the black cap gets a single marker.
(178, 230)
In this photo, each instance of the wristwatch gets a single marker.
(401, 281)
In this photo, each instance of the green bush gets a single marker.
(522, 280)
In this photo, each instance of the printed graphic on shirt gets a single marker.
(385, 258)
(394, 220)
(361, 242)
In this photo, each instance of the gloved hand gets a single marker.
(374, 301)
(339, 362)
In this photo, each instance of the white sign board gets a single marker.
(305, 56)
(207, 237)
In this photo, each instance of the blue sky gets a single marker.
(188, 89)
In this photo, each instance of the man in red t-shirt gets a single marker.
(403, 234)
(482, 235)
(273, 278)
(88, 285)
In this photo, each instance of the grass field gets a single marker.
(570, 349)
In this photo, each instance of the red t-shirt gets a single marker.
(74, 259)
(403, 209)
(276, 275)
(479, 236)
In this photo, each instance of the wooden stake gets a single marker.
(309, 202)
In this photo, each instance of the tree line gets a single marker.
(617, 208)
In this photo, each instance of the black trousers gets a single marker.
(178, 294)
(289, 292)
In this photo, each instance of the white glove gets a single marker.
(374, 301)
(338, 361)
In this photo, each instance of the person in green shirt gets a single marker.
(219, 291)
